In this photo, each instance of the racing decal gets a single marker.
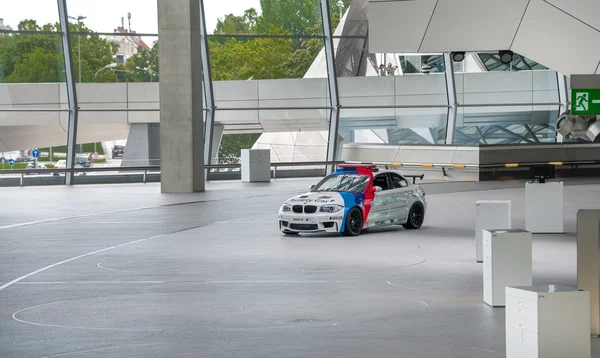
(307, 199)
(361, 200)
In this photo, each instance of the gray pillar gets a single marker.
(452, 99)
(334, 118)
(71, 89)
(181, 127)
(143, 145)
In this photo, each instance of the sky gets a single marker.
(105, 15)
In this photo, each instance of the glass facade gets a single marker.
(273, 84)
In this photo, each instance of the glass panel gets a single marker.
(393, 91)
(115, 16)
(117, 138)
(492, 62)
(291, 135)
(29, 15)
(354, 18)
(21, 133)
(253, 17)
(507, 87)
(27, 58)
(296, 93)
(506, 125)
(394, 126)
(252, 58)
(115, 58)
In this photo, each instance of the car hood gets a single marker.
(316, 198)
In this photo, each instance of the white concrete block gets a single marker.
(544, 207)
(547, 321)
(490, 214)
(588, 261)
(506, 262)
(256, 165)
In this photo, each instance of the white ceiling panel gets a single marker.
(587, 11)
(473, 25)
(398, 26)
(551, 37)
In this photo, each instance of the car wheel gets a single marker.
(416, 216)
(354, 223)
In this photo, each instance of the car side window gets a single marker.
(381, 181)
(398, 181)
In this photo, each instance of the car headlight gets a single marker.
(286, 207)
(331, 208)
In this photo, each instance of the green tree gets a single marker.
(232, 144)
(231, 24)
(295, 16)
(43, 52)
(256, 58)
(38, 66)
(143, 66)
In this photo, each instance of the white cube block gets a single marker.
(490, 214)
(547, 321)
(256, 165)
(544, 207)
(506, 262)
(588, 261)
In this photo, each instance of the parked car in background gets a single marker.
(118, 151)
(34, 166)
(83, 160)
(62, 164)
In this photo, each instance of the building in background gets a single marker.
(4, 27)
(126, 45)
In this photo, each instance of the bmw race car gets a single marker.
(353, 198)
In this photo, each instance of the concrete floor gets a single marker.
(123, 271)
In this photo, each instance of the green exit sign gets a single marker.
(585, 101)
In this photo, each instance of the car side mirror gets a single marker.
(375, 189)
(311, 187)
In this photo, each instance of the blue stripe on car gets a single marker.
(349, 203)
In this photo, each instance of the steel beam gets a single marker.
(71, 90)
(208, 90)
(563, 98)
(452, 99)
(334, 118)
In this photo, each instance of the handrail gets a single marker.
(156, 168)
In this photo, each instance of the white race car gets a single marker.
(353, 198)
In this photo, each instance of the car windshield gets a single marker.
(352, 183)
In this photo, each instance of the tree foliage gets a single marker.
(28, 58)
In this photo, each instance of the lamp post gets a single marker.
(150, 71)
(340, 4)
(79, 18)
(110, 65)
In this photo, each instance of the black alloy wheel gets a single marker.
(354, 222)
(416, 216)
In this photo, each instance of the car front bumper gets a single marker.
(318, 222)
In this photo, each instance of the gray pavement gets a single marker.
(124, 271)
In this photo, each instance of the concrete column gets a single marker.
(143, 145)
(181, 127)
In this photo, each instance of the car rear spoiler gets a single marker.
(414, 177)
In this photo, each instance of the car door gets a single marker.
(379, 213)
(402, 194)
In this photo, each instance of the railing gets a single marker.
(156, 168)
(153, 168)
